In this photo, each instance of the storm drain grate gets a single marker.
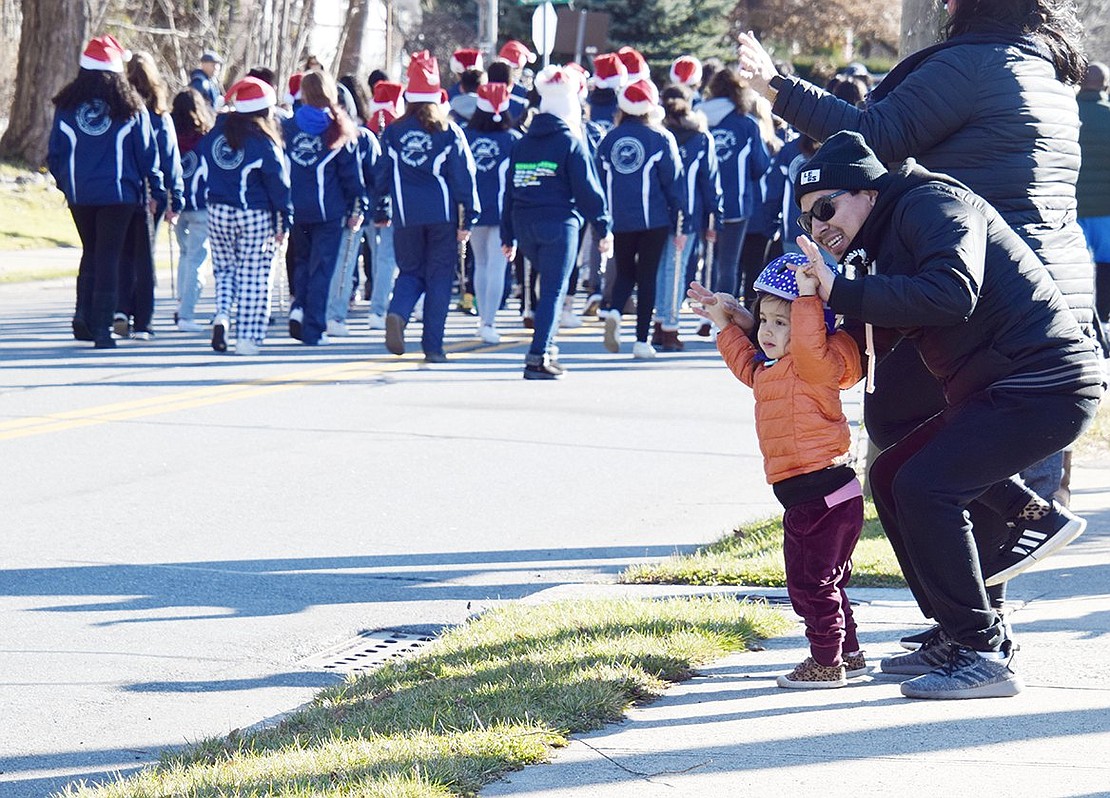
(368, 651)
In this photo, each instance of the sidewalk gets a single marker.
(732, 732)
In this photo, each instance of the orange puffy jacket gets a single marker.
(798, 415)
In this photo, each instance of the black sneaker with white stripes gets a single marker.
(932, 653)
(1032, 541)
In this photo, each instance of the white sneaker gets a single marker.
(377, 322)
(642, 350)
(296, 314)
(612, 330)
(188, 325)
(246, 347)
(489, 334)
(323, 340)
(338, 328)
(569, 319)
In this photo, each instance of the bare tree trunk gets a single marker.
(350, 56)
(920, 25)
(51, 38)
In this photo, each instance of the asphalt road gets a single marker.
(184, 531)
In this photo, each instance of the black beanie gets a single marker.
(844, 161)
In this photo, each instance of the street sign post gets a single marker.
(544, 25)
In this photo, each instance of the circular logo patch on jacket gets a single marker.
(486, 154)
(725, 140)
(225, 156)
(93, 118)
(416, 145)
(627, 155)
(305, 149)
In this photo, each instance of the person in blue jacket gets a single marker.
(427, 169)
(135, 303)
(641, 170)
(192, 118)
(206, 79)
(328, 194)
(249, 211)
(491, 138)
(554, 188)
(610, 74)
(743, 160)
(103, 157)
(698, 152)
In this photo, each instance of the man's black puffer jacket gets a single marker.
(993, 116)
(947, 272)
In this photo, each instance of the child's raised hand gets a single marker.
(815, 278)
(720, 308)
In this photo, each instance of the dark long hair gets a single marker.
(1053, 22)
(95, 84)
(483, 122)
(191, 113)
(318, 90)
(142, 73)
(240, 127)
(358, 95)
(678, 110)
(430, 116)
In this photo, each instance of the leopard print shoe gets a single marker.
(811, 675)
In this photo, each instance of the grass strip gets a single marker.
(752, 555)
(488, 697)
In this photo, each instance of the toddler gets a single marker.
(796, 372)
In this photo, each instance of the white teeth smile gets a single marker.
(833, 241)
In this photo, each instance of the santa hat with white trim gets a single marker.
(609, 71)
(105, 54)
(250, 95)
(517, 54)
(635, 64)
(493, 98)
(639, 98)
(423, 78)
(294, 93)
(558, 88)
(686, 71)
(464, 59)
(389, 97)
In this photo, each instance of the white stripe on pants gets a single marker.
(242, 255)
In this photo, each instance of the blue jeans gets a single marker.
(426, 258)
(385, 269)
(550, 245)
(192, 239)
(343, 280)
(666, 307)
(315, 250)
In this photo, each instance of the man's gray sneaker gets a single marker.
(932, 653)
(965, 675)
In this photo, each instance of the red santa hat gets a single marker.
(639, 98)
(558, 89)
(609, 71)
(294, 88)
(516, 54)
(635, 64)
(686, 71)
(249, 95)
(493, 98)
(462, 60)
(105, 54)
(423, 78)
(388, 96)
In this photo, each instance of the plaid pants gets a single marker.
(242, 254)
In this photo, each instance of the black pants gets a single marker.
(753, 257)
(923, 484)
(1102, 292)
(102, 231)
(136, 270)
(637, 255)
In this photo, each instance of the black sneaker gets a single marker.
(219, 335)
(914, 642)
(965, 674)
(121, 325)
(931, 654)
(395, 333)
(81, 331)
(435, 357)
(1032, 541)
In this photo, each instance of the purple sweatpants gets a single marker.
(818, 546)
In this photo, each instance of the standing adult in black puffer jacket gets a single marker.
(993, 107)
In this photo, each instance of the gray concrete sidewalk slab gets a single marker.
(732, 731)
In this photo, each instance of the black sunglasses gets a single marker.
(823, 210)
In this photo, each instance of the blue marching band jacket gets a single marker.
(642, 173)
(741, 156)
(231, 172)
(325, 184)
(491, 151)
